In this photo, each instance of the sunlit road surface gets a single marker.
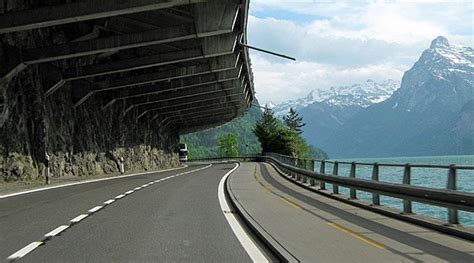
(181, 215)
(167, 216)
(314, 228)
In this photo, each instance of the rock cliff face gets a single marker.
(431, 113)
(80, 142)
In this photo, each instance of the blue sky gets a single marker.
(346, 42)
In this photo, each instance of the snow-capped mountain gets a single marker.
(443, 72)
(445, 59)
(431, 113)
(364, 95)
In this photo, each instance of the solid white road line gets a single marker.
(108, 202)
(77, 219)
(247, 243)
(136, 188)
(22, 252)
(119, 196)
(129, 192)
(95, 209)
(88, 181)
(56, 231)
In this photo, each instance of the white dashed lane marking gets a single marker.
(119, 196)
(56, 231)
(22, 252)
(87, 182)
(108, 202)
(95, 209)
(78, 218)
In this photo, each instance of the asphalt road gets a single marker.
(314, 228)
(177, 219)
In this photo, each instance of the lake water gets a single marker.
(429, 177)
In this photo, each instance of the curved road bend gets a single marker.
(314, 228)
(177, 219)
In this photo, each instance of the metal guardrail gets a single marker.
(304, 169)
(449, 198)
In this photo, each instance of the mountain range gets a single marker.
(363, 95)
(431, 112)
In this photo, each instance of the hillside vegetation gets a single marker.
(205, 144)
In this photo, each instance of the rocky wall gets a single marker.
(80, 142)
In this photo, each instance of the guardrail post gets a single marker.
(375, 177)
(353, 193)
(285, 160)
(311, 168)
(292, 162)
(335, 171)
(296, 164)
(407, 180)
(453, 217)
(304, 163)
(322, 170)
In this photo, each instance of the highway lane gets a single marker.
(178, 219)
(314, 228)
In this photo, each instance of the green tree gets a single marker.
(284, 139)
(228, 145)
(265, 129)
(300, 147)
(293, 121)
(273, 136)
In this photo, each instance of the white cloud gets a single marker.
(306, 42)
(277, 82)
(344, 42)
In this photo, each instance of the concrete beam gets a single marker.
(186, 103)
(176, 117)
(206, 14)
(225, 45)
(199, 127)
(246, 55)
(190, 105)
(206, 108)
(109, 44)
(166, 114)
(225, 25)
(172, 116)
(204, 119)
(200, 123)
(80, 11)
(223, 88)
(171, 86)
(212, 95)
(179, 84)
(216, 64)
